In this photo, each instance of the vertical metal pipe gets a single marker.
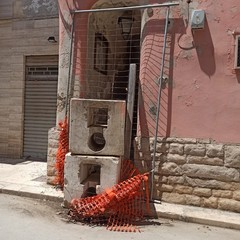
(159, 100)
(130, 108)
(70, 69)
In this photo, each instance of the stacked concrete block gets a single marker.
(76, 173)
(96, 147)
(193, 172)
(100, 118)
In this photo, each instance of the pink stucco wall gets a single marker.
(205, 98)
(202, 97)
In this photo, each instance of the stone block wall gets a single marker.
(53, 136)
(193, 172)
(24, 29)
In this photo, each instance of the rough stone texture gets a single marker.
(173, 198)
(232, 156)
(236, 195)
(182, 140)
(53, 135)
(211, 202)
(211, 172)
(163, 179)
(193, 200)
(51, 170)
(160, 148)
(175, 180)
(205, 160)
(195, 149)
(52, 152)
(235, 186)
(196, 172)
(205, 141)
(215, 150)
(51, 180)
(183, 189)
(160, 157)
(170, 168)
(176, 148)
(213, 184)
(229, 205)
(176, 158)
(222, 193)
(202, 192)
(166, 188)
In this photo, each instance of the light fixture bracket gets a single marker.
(126, 24)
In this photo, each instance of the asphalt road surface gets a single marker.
(29, 219)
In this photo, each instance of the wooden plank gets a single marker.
(130, 109)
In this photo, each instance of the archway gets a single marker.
(109, 53)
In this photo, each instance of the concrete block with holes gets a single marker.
(88, 175)
(97, 127)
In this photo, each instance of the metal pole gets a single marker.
(159, 99)
(169, 4)
(130, 108)
(70, 69)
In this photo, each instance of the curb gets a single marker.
(211, 217)
(33, 192)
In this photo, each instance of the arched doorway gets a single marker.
(110, 49)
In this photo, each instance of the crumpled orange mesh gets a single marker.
(122, 205)
(63, 147)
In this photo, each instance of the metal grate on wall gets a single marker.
(103, 52)
(39, 105)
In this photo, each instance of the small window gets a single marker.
(237, 53)
(101, 54)
(98, 117)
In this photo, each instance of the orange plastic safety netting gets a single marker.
(63, 147)
(122, 206)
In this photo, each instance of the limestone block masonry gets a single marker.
(75, 174)
(193, 172)
(53, 135)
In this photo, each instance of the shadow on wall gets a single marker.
(151, 59)
(205, 50)
(237, 72)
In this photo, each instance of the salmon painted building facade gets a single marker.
(197, 155)
(190, 56)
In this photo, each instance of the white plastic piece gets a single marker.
(198, 19)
